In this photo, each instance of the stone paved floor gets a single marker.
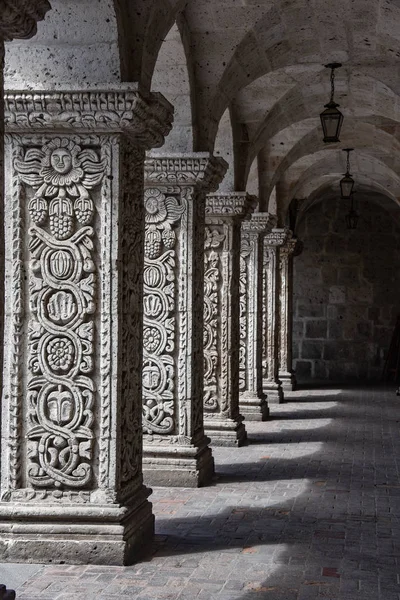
(308, 510)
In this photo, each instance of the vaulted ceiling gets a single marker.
(260, 60)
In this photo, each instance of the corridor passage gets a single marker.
(308, 510)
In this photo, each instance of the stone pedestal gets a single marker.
(252, 400)
(71, 454)
(222, 420)
(175, 449)
(286, 253)
(271, 383)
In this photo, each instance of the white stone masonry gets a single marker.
(71, 454)
(252, 400)
(286, 254)
(224, 213)
(176, 449)
(271, 283)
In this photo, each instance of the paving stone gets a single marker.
(308, 510)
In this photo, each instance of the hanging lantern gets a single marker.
(352, 216)
(331, 117)
(347, 183)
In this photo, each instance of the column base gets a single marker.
(102, 534)
(174, 465)
(225, 432)
(288, 381)
(273, 391)
(253, 408)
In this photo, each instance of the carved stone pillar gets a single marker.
(18, 20)
(286, 254)
(176, 449)
(252, 400)
(71, 469)
(222, 420)
(271, 383)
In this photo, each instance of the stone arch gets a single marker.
(277, 40)
(296, 106)
(344, 281)
(224, 147)
(252, 184)
(143, 25)
(314, 188)
(365, 165)
(356, 132)
(173, 78)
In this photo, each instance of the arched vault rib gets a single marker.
(142, 27)
(386, 182)
(355, 133)
(173, 76)
(299, 110)
(286, 36)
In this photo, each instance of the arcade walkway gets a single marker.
(308, 510)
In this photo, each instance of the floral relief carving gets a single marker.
(212, 308)
(245, 252)
(62, 288)
(162, 215)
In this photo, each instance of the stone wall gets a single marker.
(346, 292)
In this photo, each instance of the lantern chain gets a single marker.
(332, 83)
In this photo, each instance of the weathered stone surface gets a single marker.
(348, 324)
(175, 449)
(222, 420)
(271, 286)
(252, 400)
(18, 18)
(286, 375)
(71, 424)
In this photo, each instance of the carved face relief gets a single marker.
(60, 405)
(151, 377)
(59, 177)
(61, 161)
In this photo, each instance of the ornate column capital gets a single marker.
(120, 110)
(259, 222)
(18, 18)
(233, 205)
(292, 247)
(278, 237)
(200, 168)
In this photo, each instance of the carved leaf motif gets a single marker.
(38, 210)
(160, 293)
(62, 291)
(212, 279)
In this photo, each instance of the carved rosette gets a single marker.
(272, 242)
(74, 292)
(224, 274)
(162, 215)
(18, 18)
(62, 283)
(174, 213)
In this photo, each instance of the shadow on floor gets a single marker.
(332, 537)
